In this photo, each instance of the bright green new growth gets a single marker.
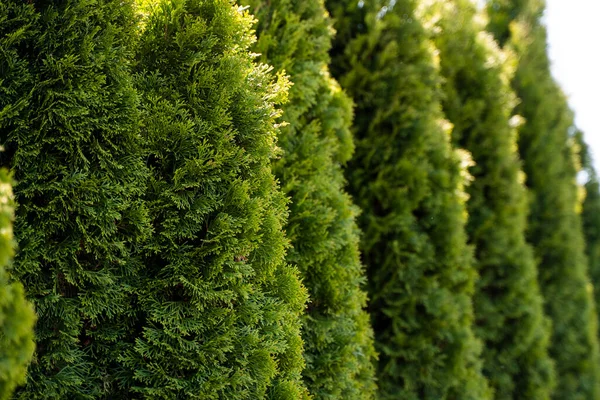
(408, 181)
(68, 118)
(555, 227)
(16, 314)
(295, 37)
(218, 309)
(508, 304)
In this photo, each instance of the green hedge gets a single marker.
(555, 226)
(218, 310)
(16, 315)
(478, 100)
(183, 224)
(295, 36)
(69, 125)
(590, 214)
(408, 181)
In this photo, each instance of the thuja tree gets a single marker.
(555, 230)
(68, 123)
(408, 181)
(218, 309)
(478, 100)
(590, 214)
(295, 36)
(16, 314)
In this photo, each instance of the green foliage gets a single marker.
(508, 303)
(590, 214)
(218, 309)
(591, 227)
(555, 226)
(295, 37)
(408, 181)
(504, 12)
(68, 121)
(16, 314)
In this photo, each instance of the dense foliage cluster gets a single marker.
(555, 227)
(292, 199)
(508, 304)
(16, 314)
(217, 308)
(295, 36)
(407, 179)
(69, 127)
(590, 214)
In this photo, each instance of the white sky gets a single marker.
(573, 36)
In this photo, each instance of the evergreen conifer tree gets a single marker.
(478, 101)
(68, 122)
(408, 181)
(555, 227)
(590, 215)
(295, 36)
(16, 314)
(218, 309)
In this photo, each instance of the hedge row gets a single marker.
(546, 145)
(508, 303)
(408, 180)
(295, 36)
(291, 199)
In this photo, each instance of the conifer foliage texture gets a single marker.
(479, 101)
(68, 122)
(408, 181)
(555, 227)
(16, 314)
(295, 36)
(218, 309)
(590, 215)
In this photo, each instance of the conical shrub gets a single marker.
(478, 101)
(295, 37)
(555, 226)
(218, 310)
(68, 122)
(16, 314)
(408, 181)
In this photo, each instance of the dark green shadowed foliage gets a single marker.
(68, 122)
(590, 214)
(16, 314)
(295, 36)
(408, 180)
(478, 100)
(555, 226)
(218, 309)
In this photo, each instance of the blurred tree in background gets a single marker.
(478, 100)
(555, 227)
(408, 181)
(591, 214)
(16, 314)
